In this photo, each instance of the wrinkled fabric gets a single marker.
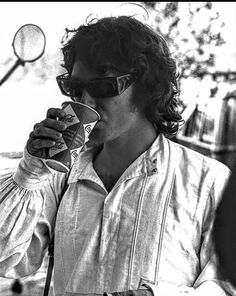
(139, 292)
(152, 229)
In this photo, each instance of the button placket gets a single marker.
(104, 241)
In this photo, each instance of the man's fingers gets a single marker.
(37, 144)
(51, 124)
(45, 132)
(55, 113)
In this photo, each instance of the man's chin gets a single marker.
(95, 138)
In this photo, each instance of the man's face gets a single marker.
(119, 118)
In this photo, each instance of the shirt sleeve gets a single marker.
(209, 278)
(208, 281)
(28, 204)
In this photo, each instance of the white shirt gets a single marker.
(152, 228)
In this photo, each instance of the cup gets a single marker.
(80, 120)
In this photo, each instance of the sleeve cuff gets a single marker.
(31, 171)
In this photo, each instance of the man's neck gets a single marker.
(117, 155)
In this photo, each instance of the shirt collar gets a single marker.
(150, 162)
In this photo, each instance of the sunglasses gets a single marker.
(97, 88)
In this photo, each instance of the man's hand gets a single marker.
(46, 133)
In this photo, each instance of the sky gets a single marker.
(23, 103)
(52, 17)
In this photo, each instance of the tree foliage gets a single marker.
(193, 30)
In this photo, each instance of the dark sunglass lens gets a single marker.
(103, 89)
(71, 88)
(76, 90)
(65, 87)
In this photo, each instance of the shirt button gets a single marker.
(154, 170)
(106, 215)
(155, 160)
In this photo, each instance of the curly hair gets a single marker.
(124, 44)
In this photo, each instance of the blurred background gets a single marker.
(202, 39)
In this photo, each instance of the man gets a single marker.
(137, 211)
